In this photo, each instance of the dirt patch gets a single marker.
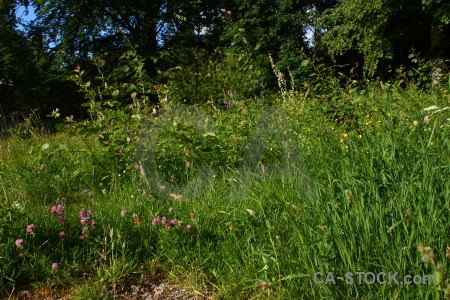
(147, 288)
(158, 290)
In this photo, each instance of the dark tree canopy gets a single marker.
(383, 32)
(18, 62)
(81, 29)
(190, 36)
(271, 27)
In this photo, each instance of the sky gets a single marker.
(21, 14)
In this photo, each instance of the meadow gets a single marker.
(243, 199)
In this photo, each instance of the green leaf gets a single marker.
(387, 118)
(292, 276)
(62, 146)
(61, 127)
(91, 95)
(45, 146)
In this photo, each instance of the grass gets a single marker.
(381, 190)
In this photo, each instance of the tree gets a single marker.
(189, 51)
(29, 76)
(276, 27)
(382, 32)
(17, 69)
(439, 26)
(81, 29)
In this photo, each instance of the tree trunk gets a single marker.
(438, 40)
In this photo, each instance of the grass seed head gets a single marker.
(251, 212)
(427, 254)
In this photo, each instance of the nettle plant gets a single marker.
(116, 104)
(341, 98)
(431, 74)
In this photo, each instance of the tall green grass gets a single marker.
(382, 191)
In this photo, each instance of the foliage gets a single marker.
(116, 107)
(380, 184)
(424, 73)
(380, 32)
(270, 27)
(28, 76)
(439, 9)
(17, 67)
(80, 208)
(80, 29)
(200, 51)
(225, 76)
